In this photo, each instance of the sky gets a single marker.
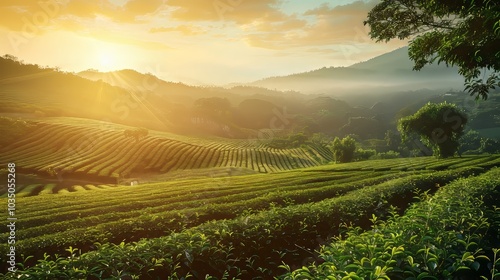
(198, 42)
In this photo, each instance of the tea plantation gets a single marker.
(421, 218)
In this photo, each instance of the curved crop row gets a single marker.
(189, 197)
(446, 237)
(81, 151)
(277, 234)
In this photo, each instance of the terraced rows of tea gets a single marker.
(267, 213)
(24, 190)
(55, 222)
(108, 156)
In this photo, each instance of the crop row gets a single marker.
(219, 157)
(52, 188)
(89, 152)
(446, 237)
(150, 214)
(246, 245)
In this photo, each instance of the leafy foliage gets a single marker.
(223, 246)
(443, 237)
(439, 126)
(463, 33)
(471, 141)
(343, 150)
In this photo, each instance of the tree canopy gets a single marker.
(343, 150)
(465, 33)
(439, 126)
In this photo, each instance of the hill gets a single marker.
(58, 149)
(34, 91)
(142, 100)
(390, 72)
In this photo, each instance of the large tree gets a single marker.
(439, 126)
(465, 33)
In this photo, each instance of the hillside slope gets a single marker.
(101, 152)
(31, 90)
(389, 72)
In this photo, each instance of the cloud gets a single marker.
(341, 24)
(135, 9)
(187, 30)
(17, 14)
(238, 11)
(117, 38)
(127, 13)
(23, 14)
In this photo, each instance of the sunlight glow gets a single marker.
(107, 61)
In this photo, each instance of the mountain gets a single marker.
(131, 98)
(33, 91)
(134, 81)
(143, 100)
(386, 73)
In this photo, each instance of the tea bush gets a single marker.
(445, 236)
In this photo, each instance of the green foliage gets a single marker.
(62, 146)
(293, 140)
(470, 142)
(462, 33)
(364, 154)
(490, 146)
(320, 139)
(343, 150)
(392, 140)
(220, 238)
(439, 126)
(364, 127)
(386, 155)
(297, 139)
(444, 236)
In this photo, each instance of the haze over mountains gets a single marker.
(389, 72)
(323, 100)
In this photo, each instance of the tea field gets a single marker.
(70, 149)
(295, 224)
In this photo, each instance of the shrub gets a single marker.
(343, 150)
(364, 154)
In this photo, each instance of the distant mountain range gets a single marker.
(322, 100)
(389, 72)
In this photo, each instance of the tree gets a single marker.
(465, 33)
(439, 126)
(297, 139)
(343, 150)
(319, 138)
(213, 106)
(490, 146)
(393, 140)
(471, 142)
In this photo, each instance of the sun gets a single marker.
(107, 61)
(108, 57)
